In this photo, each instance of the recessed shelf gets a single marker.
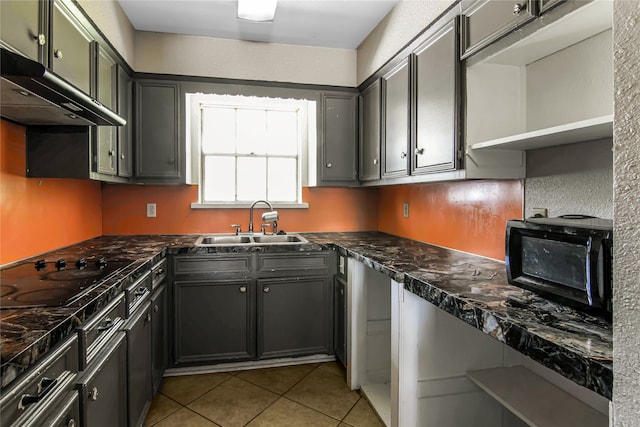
(535, 400)
(584, 130)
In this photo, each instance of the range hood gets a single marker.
(33, 95)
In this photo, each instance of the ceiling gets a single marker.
(328, 23)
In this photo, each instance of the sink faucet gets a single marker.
(272, 216)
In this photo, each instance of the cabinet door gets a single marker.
(339, 139)
(548, 4)
(125, 94)
(396, 87)
(370, 133)
(294, 317)
(106, 135)
(159, 335)
(340, 320)
(157, 122)
(488, 20)
(71, 48)
(213, 321)
(436, 102)
(22, 27)
(139, 385)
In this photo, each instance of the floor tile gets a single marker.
(185, 418)
(233, 403)
(334, 367)
(186, 389)
(324, 392)
(278, 380)
(161, 407)
(363, 416)
(286, 413)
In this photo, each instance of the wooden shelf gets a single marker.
(585, 130)
(379, 395)
(535, 400)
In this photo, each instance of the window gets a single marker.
(249, 149)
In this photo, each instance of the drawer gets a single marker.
(488, 20)
(313, 262)
(43, 387)
(217, 264)
(98, 330)
(158, 273)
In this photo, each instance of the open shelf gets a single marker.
(379, 395)
(535, 400)
(584, 130)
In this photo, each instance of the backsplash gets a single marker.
(39, 215)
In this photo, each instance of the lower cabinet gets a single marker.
(340, 320)
(139, 393)
(159, 335)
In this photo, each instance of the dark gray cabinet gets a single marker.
(294, 316)
(157, 142)
(23, 27)
(159, 340)
(395, 95)
(106, 136)
(488, 20)
(338, 140)
(139, 357)
(370, 133)
(213, 320)
(436, 86)
(70, 47)
(125, 110)
(340, 319)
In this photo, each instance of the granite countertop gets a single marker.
(472, 288)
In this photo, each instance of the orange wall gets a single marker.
(469, 216)
(330, 209)
(39, 215)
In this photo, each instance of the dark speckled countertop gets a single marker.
(474, 289)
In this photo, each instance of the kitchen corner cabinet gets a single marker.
(125, 110)
(436, 102)
(338, 140)
(370, 133)
(23, 27)
(157, 143)
(396, 86)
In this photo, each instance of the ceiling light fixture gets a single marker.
(257, 10)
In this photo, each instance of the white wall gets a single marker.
(234, 59)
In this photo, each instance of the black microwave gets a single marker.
(567, 258)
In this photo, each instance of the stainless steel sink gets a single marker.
(249, 239)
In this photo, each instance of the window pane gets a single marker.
(218, 130)
(251, 125)
(252, 173)
(283, 180)
(282, 132)
(219, 179)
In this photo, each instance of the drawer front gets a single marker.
(64, 415)
(43, 387)
(158, 273)
(96, 332)
(312, 263)
(217, 264)
(488, 20)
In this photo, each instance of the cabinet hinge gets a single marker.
(460, 154)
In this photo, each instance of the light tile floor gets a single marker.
(302, 395)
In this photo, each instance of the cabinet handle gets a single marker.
(171, 161)
(266, 289)
(93, 394)
(41, 39)
(122, 156)
(57, 53)
(243, 289)
(44, 387)
(375, 161)
(329, 165)
(403, 155)
(71, 423)
(156, 308)
(419, 151)
(518, 8)
(159, 272)
(106, 325)
(148, 317)
(111, 152)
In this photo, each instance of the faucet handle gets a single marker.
(237, 227)
(264, 226)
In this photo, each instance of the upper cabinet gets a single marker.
(24, 27)
(396, 86)
(125, 110)
(370, 133)
(107, 158)
(436, 103)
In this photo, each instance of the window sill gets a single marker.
(248, 205)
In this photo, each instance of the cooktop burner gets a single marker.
(53, 283)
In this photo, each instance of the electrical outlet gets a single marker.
(405, 210)
(151, 210)
(539, 212)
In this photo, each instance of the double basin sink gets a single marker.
(249, 239)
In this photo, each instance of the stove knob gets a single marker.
(61, 264)
(81, 263)
(101, 263)
(41, 264)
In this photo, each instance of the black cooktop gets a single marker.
(53, 283)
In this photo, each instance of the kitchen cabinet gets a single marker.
(139, 357)
(340, 320)
(70, 47)
(488, 20)
(106, 136)
(370, 132)
(436, 117)
(337, 160)
(125, 110)
(157, 144)
(23, 27)
(396, 87)
(159, 331)
(548, 4)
